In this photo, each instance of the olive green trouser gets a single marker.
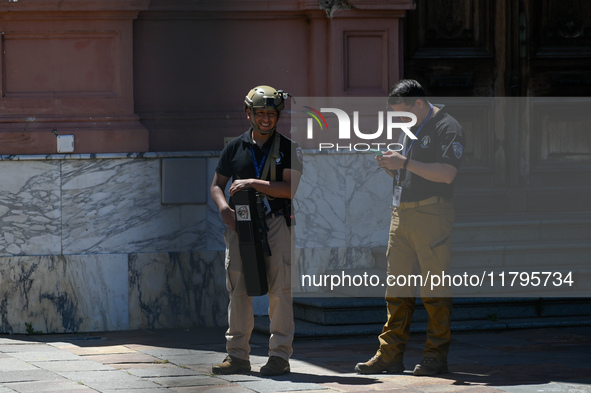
(240, 311)
(419, 245)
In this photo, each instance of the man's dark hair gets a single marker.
(406, 91)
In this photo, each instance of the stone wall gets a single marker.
(105, 240)
(88, 245)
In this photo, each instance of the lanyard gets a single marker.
(258, 167)
(419, 129)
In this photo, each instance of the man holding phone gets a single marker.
(420, 229)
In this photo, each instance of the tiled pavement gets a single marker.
(518, 361)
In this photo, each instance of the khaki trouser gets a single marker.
(240, 312)
(419, 243)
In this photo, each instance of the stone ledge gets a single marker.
(110, 156)
(75, 5)
(264, 5)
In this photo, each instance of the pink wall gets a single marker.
(171, 75)
(67, 65)
(189, 91)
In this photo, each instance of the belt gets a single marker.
(276, 213)
(424, 202)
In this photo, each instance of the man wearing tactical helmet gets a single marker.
(243, 160)
(263, 100)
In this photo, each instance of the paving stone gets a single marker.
(5, 389)
(171, 382)
(61, 344)
(143, 390)
(530, 361)
(438, 388)
(326, 390)
(11, 364)
(157, 372)
(211, 347)
(194, 358)
(72, 365)
(102, 350)
(341, 382)
(135, 357)
(24, 346)
(135, 366)
(202, 369)
(27, 375)
(17, 341)
(240, 377)
(552, 387)
(66, 338)
(579, 387)
(255, 359)
(40, 353)
(210, 389)
(485, 339)
(144, 347)
(102, 380)
(60, 386)
(167, 352)
(271, 386)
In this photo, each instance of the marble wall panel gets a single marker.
(321, 261)
(342, 201)
(368, 196)
(177, 290)
(102, 290)
(319, 203)
(116, 258)
(113, 206)
(56, 294)
(310, 261)
(30, 208)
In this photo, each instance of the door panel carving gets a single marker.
(526, 155)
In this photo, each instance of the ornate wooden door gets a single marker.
(528, 146)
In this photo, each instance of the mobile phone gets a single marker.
(376, 152)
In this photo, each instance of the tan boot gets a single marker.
(431, 366)
(231, 365)
(275, 366)
(377, 365)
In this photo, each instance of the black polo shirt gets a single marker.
(440, 140)
(236, 160)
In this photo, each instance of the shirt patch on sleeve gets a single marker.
(458, 149)
(300, 155)
(425, 142)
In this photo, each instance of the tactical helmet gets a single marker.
(265, 97)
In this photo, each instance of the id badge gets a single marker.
(397, 196)
(266, 205)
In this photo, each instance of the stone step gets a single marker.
(340, 310)
(534, 254)
(353, 283)
(354, 311)
(528, 228)
(525, 243)
(487, 261)
(516, 240)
